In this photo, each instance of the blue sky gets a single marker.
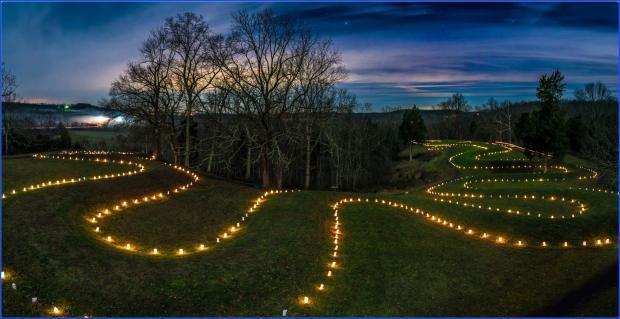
(397, 54)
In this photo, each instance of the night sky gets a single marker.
(397, 54)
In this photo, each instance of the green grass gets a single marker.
(22, 172)
(94, 137)
(395, 265)
(391, 263)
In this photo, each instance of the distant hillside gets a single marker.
(35, 108)
(71, 115)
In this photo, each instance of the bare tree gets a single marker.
(191, 40)
(504, 115)
(269, 63)
(454, 106)
(9, 95)
(145, 91)
(593, 92)
(456, 103)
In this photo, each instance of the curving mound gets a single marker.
(75, 258)
(489, 170)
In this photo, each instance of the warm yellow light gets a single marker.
(3, 276)
(56, 311)
(128, 247)
(321, 287)
(155, 252)
(109, 239)
(306, 300)
(181, 252)
(202, 246)
(329, 273)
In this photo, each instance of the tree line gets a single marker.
(259, 103)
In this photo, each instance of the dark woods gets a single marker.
(259, 104)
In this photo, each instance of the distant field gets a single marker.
(95, 137)
(389, 262)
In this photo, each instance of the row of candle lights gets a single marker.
(468, 231)
(332, 266)
(103, 152)
(73, 156)
(73, 180)
(469, 180)
(435, 219)
(226, 234)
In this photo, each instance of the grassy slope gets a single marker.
(394, 264)
(21, 172)
(94, 136)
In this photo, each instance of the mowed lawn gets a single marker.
(391, 263)
(25, 171)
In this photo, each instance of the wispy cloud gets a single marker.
(396, 53)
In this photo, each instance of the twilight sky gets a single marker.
(397, 54)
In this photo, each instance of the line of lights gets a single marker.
(499, 239)
(73, 180)
(93, 219)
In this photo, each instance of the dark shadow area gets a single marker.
(572, 302)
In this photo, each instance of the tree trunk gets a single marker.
(279, 176)
(264, 169)
(308, 158)
(156, 150)
(187, 138)
(211, 154)
(410, 151)
(175, 157)
(248, 163)
(6, 142)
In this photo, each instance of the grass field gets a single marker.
(95, 137)
(390, 261)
